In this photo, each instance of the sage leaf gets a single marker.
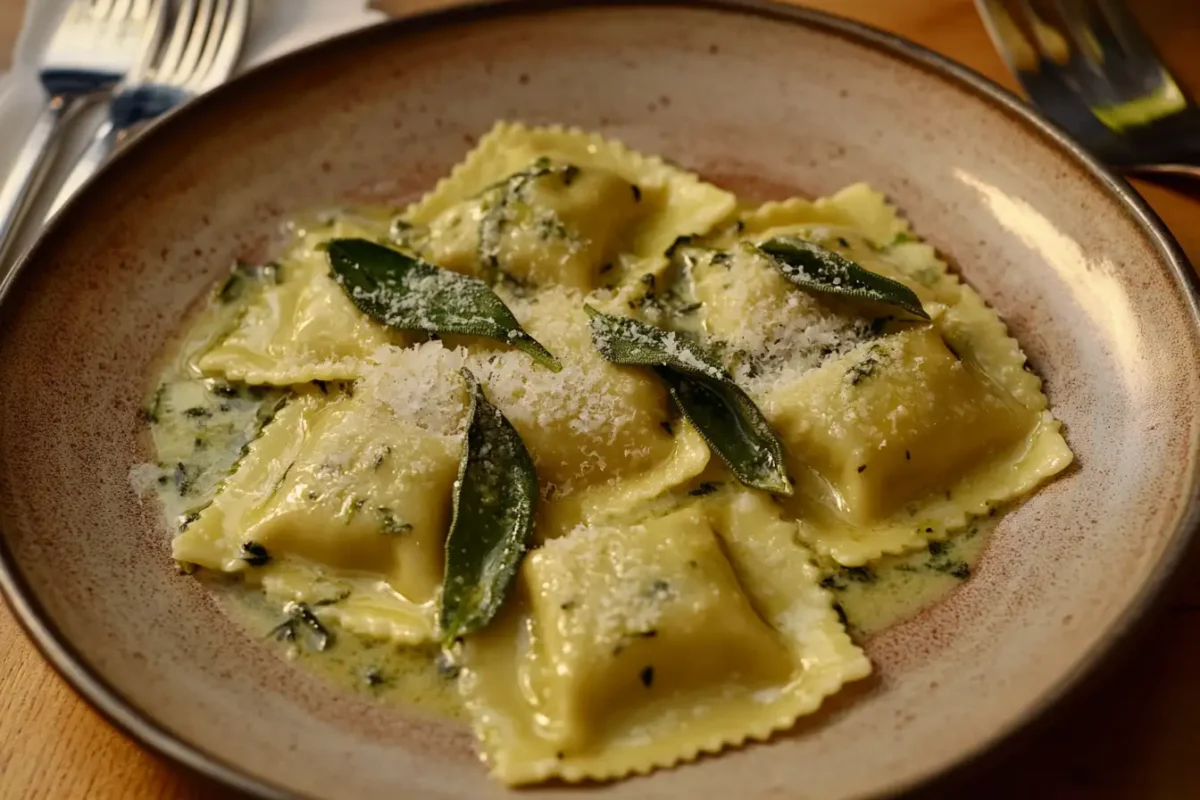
(406, 293)
(725, 416)
(623, 340)
(733, 427)
(814, 268)
(494, 502)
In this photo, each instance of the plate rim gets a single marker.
(1115, 642)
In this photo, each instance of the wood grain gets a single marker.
(1134, 735)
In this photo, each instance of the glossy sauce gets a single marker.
(199, 426)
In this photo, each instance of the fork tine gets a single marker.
(151, 43)
(121, 10)
(102, 9)
(1014, 45)
(1123, 81)
(233, 36)
(169, 62)
(141, 9)
(197, 33)
(216, 33)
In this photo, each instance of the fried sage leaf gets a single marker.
(406, 293)
(494, 502)
(814, 268)
(623, 340)
(723, 414)
(733, 427)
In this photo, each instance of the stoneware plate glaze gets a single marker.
(765, 100)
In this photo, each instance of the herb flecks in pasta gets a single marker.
(494, 500)
(724, 415)
(408, 294)
(817, 269)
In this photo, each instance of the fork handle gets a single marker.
(103, 142)
(28, 173)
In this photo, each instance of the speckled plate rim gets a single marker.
(140, 725)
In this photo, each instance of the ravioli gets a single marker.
(600, 207)
(337, 493)
(661, 608)
(302, 327)
(646, 649)
(897, 433)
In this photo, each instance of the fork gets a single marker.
(1087, 65)
(204, 45)
(95, 45)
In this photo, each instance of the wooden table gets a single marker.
(1134, 735)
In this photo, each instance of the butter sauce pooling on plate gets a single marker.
(757, 434)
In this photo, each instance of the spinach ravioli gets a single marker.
(620, 458)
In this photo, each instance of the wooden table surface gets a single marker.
(1134, 735)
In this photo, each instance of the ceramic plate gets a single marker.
(764, 100)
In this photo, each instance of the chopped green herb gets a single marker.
(196, 412)
(708, 487)
(841, 615)
(446, 666)
(860, 574)
(245, 275)
(185, 478)
(679, 242)
(389, 523)
(373, 677)
(876, 357)
(382, 455)
(302, 624)
(637, 192)
(154, 411)
(647, 677)
(254, 554)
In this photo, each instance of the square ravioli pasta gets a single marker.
(897, 432)
(640, 646)
(555, 206)
(290, 323)
(339, 504)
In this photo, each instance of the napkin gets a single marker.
(276, 27)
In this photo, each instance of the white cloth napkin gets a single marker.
(276, 27)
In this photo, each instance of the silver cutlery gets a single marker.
(95, 45)
(1087, 65)
(203, 47)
